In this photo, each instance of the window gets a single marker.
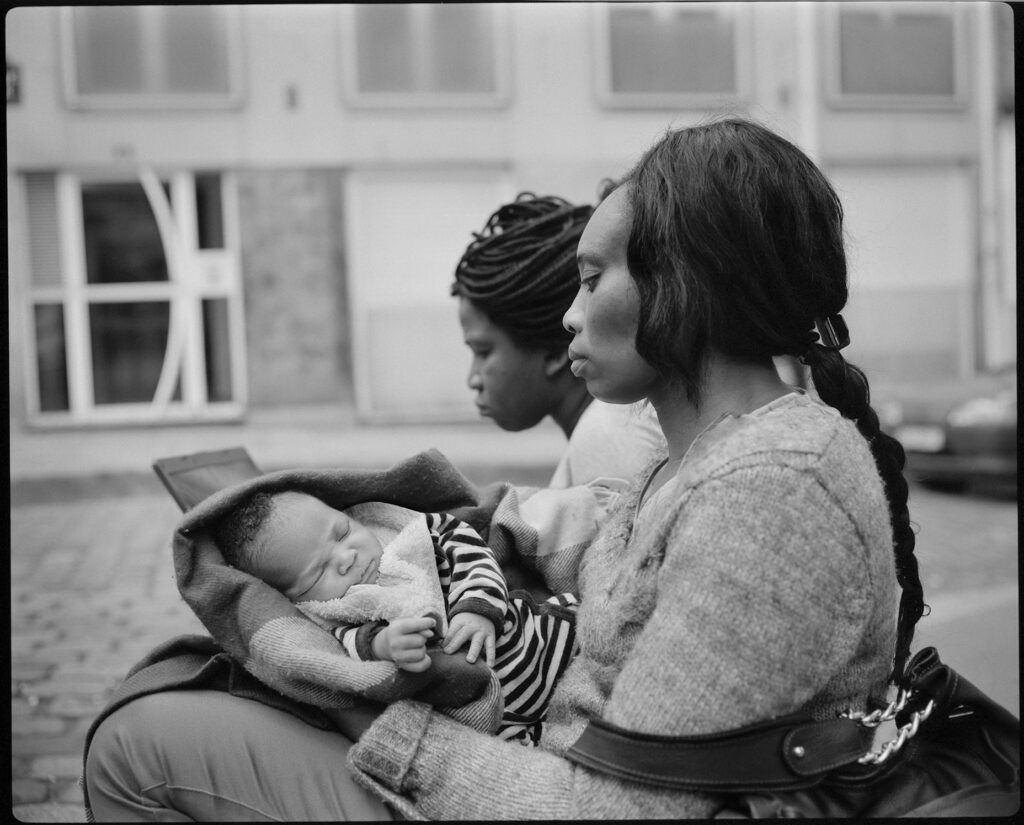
(134, 298)
(151, 56)
(424, 54)
(672, 54)
(896, 55)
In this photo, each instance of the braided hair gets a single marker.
(520, 269)
(736, 244)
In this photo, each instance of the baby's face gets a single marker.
(312, 552)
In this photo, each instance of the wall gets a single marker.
(297, 313)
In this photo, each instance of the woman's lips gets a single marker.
(577, 366)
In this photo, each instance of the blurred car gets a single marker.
(957, 433)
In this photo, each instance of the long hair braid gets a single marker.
(520, 269)
(737, 243)
(845, 387)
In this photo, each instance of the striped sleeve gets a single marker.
(470, 576)
(357, 639)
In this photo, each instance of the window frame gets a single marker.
(154, 101)
(836, 98)
(744, 64)
(217, 275)
(354, 98)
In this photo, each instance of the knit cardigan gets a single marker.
(765, 585)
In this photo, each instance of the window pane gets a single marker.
(195, 44)
(463, 49)
(43, 233)
(108, 57)
(672, 50)
(122, 244)
(51, 357)
(128, 345)
(217, 351)
(151, 49)
(384, 59)
(425, 48)
(885, 51)
(209, 212)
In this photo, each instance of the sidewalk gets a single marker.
(278, 438)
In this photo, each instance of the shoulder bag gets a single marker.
(956, 753)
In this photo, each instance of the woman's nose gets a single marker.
(473, 379)
(573, 318)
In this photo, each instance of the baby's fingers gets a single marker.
(454, 640)
(416, 666)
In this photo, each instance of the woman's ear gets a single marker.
(555, 361)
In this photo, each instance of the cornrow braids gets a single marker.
(845, 387)
(520, 269)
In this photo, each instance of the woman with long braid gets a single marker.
(762, 565)
(756, 569)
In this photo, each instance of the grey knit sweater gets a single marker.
(762, 583)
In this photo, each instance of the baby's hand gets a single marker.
(404, 642)
(478, 631)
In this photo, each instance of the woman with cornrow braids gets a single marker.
(514, 283)
(761, 565)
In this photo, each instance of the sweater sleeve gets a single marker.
(470, 576)
(448, 771)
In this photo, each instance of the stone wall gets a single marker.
(298, 340)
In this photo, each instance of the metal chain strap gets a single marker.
(888, 714)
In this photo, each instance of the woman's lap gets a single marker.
(207, 756)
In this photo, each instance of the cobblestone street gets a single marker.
(92, 591)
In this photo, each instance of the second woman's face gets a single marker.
(605, 313)
(510, 381)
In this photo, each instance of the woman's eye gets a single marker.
(589, 282)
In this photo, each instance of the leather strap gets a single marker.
(789, 752)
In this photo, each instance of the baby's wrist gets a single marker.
(380, 645)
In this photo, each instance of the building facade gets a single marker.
(216, 208)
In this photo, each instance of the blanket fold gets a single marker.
(278, 643)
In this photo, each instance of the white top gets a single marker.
(610, 441)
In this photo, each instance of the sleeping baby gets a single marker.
(386, 585)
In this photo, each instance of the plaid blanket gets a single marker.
(278, 643)
(537, 534)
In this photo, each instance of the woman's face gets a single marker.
(604, 315)
(512, 383)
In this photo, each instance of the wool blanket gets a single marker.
(278, 643)
(537, 534)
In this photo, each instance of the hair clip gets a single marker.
(833, 331)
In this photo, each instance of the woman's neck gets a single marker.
(574, 401)
(729, 387)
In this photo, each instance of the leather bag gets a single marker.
(957, 753)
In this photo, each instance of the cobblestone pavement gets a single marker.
(92, 591)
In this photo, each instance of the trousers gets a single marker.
(207, 756)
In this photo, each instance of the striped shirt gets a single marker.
(535, 642)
